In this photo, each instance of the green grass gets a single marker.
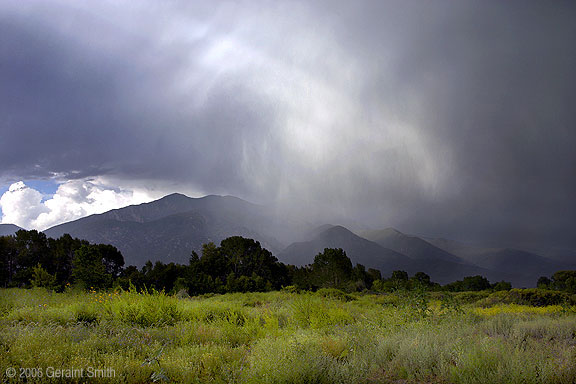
(285, 337)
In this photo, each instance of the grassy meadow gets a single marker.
(285, 337)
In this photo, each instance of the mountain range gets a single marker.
(8, 229)
(389, 250)
(170, 228)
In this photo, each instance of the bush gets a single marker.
(336, 294)
(470, 297)
(290, 289)
(308, 311)
(42, 279)
(144, 309)
(532, 296)
(86, 314)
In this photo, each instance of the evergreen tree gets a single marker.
(332, 268)
(89, 270)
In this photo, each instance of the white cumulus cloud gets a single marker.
(24, 206)
(20, 204)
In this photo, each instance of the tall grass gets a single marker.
(287, 337)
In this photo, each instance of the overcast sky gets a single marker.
(442, 118)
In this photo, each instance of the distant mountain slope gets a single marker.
(443, 272)
(358, 249)
(525, 266)
(411, 246)
(566, 256)
(516, 261)
(454, 247)
(373, 255)
(169, 229)
(8, 229)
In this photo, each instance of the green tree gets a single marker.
(398, 281)
(378, 285)
(246, 257)
(197, 281)
(564, 281)
(131, 276)
(240, 262)
(302, 277)
(502, 286)
(8, 260)
(475, 283)
(41, 278)
(375, 274)
(213, 262)
(399, 275)
(112, 259)
(332, 268)
(32, 248)
(89, 271)
(162, 276)
(360, 278)
(61, 255)
(544, 282)
(420, 280)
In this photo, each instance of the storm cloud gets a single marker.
(441, 118)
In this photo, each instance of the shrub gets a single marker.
(470, 297)
(334, 293)
(41, 278)
(86, 314)
(290, 289)
(533, 296)
(144, 309)
(308, 311)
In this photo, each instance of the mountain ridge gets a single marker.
(373, 255)
(192, 222)
(359, 250)
(409, 245)
(170, 228)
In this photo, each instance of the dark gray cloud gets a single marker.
(440, 118)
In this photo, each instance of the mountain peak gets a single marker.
(381, 234)
(338, 228)
(358, 249)
(171, 227)
(337, 231)
(318, 230)
(176, 194)
(409, 245)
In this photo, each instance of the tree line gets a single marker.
(29, 258)
(238, 264)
